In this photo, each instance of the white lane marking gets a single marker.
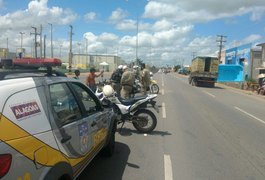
(163, 92)
(164, 110)
(209, 94)
(258, 119)
(168, 167)
(162, 81)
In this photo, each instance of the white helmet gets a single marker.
(125, 67)
(120, 66)
(108, 90)
(135, 67)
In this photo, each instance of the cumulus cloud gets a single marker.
(162, 25)
(90, 37)
(91, 16)
(127, 24)
(203, 11)
(117, 15)
(37, 12)
(107, 37)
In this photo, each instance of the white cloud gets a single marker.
(91, 38)
(91, 16)
(127, 24)
(117, 15)
(258, 13)
(252, 38)
(37, 12)
(204, 10)
(107, 37)
(162, 25)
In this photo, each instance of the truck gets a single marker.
(204, 71)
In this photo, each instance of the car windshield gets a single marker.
(207, 65)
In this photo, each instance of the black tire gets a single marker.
(154, 88)
(151, 118)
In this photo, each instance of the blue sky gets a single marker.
(169, 31)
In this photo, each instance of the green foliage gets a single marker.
(251, 80)
(176, 68)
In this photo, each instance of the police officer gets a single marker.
(127, 81)
(145, 79)
(116, 79)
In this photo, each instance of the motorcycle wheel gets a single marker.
(147, 125)
(154, 88)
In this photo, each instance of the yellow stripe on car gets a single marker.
(11, 134)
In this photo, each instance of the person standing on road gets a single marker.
(116, 79)
(90, 79)
(77, 74)
(127, 81)
(145, 79)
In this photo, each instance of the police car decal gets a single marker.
(26, 109)
(83, 135)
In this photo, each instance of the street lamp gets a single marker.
(137, 32)
(21, 39)
(79, 51)
(51, 40)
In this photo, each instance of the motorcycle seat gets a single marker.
(131, 101)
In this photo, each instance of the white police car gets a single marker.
(51, 126)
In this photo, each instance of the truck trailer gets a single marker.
(204, 71)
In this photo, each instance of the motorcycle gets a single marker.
(134, 110)
(153, 87)
(261, 89)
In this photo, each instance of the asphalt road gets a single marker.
(202, 133)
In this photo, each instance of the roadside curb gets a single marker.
(246, 92)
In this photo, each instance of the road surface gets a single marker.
(202, 133)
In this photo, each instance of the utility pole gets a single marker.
(79, 51)
(40, 41)
(35, 41)
(137, 29)
(86, 53)
(7, 53)
(60, 50)
(44, 48)
(70, 51)
(51, 40)
(193, 55)
(21, 40)
(220, 40)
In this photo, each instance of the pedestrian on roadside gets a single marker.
(90, 79)
(145, 79)
(77, 74)
(127, 81)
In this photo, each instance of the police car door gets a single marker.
(70, 130)
(95, 118)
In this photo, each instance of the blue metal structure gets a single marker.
(230, 73)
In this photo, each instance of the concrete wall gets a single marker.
(84, 61)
